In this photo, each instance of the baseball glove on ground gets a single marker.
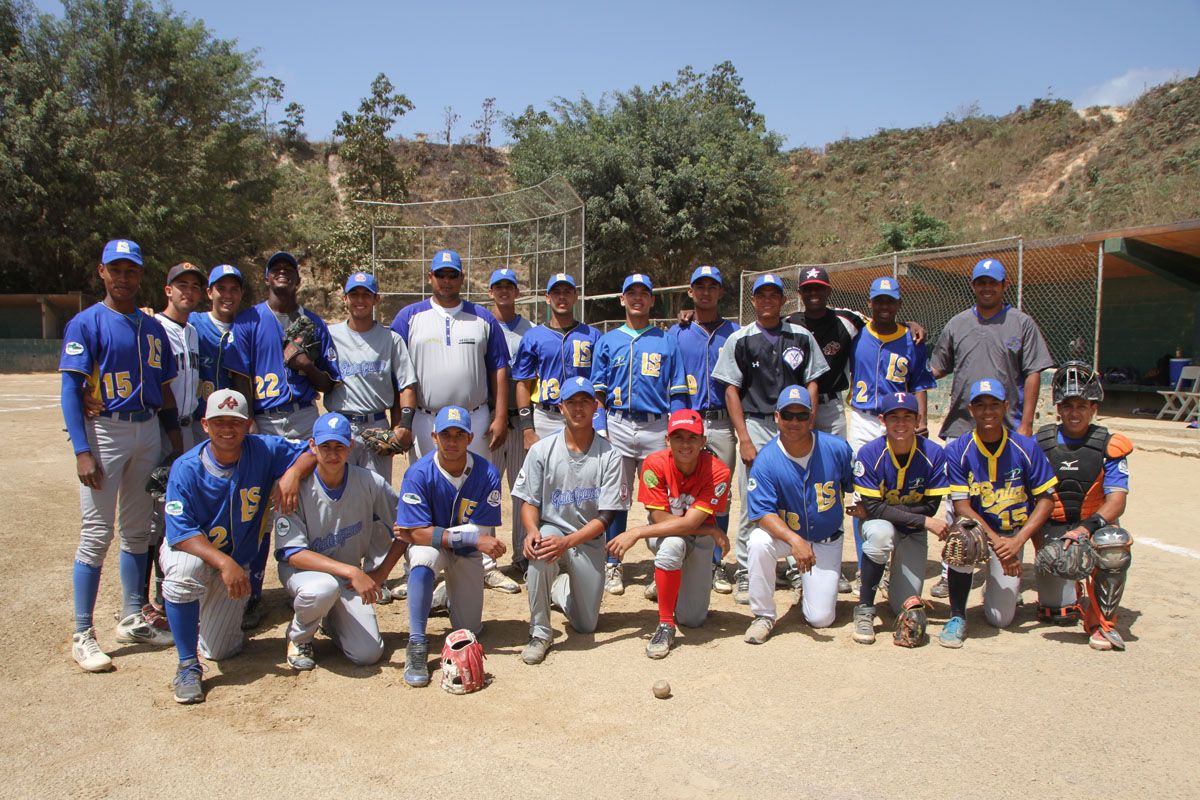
(462, 663)
(1071, 557)
(156, 484)
(300, 337)
(911, 624)
(382, 441)
(966, 544)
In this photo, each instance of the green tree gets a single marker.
(372, 171)
(681, 174)
(919, 230)
(293, 121)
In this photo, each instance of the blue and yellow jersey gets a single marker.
(126, 358)
(1001, 483)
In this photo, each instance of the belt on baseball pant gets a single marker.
(434, 413)
(279, 411)
(363, 419)
(186, 421)
(753, 415)
(828, 397)
(130, 416)
(637, 416)
(715, 414)
(833, 538)
(549, 408)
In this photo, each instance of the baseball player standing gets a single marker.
(683, 488)
(754, 366)
(121, 355)
(216, 510)
(571, 487)
(700, 339)
(336, 549)
(448, 512)
(1003, 480)
(214, 331)
(795, 498)
(638, 374)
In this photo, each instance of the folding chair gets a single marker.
(1179, 401)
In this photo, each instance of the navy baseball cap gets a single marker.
(557, 278)
(332, 427)
(452, 417)
(989, 268)
(283, 255)
(988, 387)
(885, 287)
(899, 400)
(707, 272)
(121, 248)
(794, 395)
(814, 275)
(184, 269)
(767, 280)
(637, 278)
(445, 259)
(576, 385)
(362, 280)
(225, 271)
(505, 274)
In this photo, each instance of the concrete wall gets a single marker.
(29, 355)
(1144, 318)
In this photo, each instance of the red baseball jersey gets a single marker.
(664, 488)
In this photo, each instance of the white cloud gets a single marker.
(1126, 88)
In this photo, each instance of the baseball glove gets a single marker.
(156, 484)
(382, 441)
(966, 544)
(1071, 557)
(462, 663)
(911, 624)
(300, 337)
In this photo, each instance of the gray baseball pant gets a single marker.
(761, 431)
(574, 583)
(187, 579)
(693, 556)
(464, 582)
(881, 540)
(348, 621)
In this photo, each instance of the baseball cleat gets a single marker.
(660, 643)
(500, 582)
(440, 601)
(385, 596)
(87, 653)
(416, 668)
(156, 616)
(941, 589)
(187, 683)
(864, 624)
(720, 582)
(651, 592)
(400, 591)
(1113, 638)
(252, 614)
(794, 580)
(136, 629)
(759, 630)
(954, 633)
(885, 581)
(844, 586)
(741, 594)
(614, 582)
(1098, 641)
(535, 651)
(300, 656)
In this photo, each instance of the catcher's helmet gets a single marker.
(1076, 379)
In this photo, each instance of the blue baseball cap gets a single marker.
(332, 427)
(504, 274)
(452, 417)
(794, 395)
(362, 280)
(225, 271)
(637, 278)
(990, 268)
(707, 272)
(895, 401)
(576, 385)
(767, 280)
(118, 249)
(283, 255)
(988, 387)
(445, 259)
(557, 278)
(885, 287)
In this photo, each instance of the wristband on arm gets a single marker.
(406, 417)
(525, 418)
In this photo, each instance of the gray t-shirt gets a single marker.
(373, 365)
(352, 525)
(1008, 348)
(571, 489)
(512, 335)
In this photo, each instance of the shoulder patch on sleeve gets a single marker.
(751, 485)
(649, 478)
(721, 487)
(859, 469)
(412, 498)
(282, 527)
(1119, 446)
(73, 348)
(494, 498)
(174, 508)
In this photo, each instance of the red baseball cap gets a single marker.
(685, 420)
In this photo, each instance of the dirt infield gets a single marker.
(809, 714)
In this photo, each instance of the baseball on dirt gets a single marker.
(662, 690)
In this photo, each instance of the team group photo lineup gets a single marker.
(366, 464)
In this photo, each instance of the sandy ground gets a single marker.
(809, 714)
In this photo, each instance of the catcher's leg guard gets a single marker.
(1108, 582)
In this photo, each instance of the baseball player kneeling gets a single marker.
(573, 485)
(795, 498)
(336, 550)
(449, 509)
(683, 489)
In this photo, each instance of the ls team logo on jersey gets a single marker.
(73, 349)
(174, 508)
(412, 498)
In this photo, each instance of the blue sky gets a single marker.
(818, 71)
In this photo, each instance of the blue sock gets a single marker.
(723, 524)
(86, 580)
(185, 627)
(258, 567)
(420, 598)
(620, 521)
(133, 582)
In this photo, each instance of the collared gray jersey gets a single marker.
(513, 335)
(373, 365)
(571, 489)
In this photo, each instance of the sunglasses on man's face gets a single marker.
(796, 416)
(445, 274)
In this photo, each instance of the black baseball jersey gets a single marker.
(834, 333)
(762, 363)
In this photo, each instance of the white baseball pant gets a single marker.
(819, 586)
(508, 460)
(761, 431)
(127, 452)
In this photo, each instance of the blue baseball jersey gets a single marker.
(882, 365)
(700, 350)
(427, 497)
(640, 371)
(808, 499)
(258, 353)
(126, 358)
(227, 504)
(1001, 485)
(880, 474)
(552, 357)
(215, 345)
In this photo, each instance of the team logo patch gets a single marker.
(282, 527)
(793, 357)
(624, 492)
(174, 508)
(73, 348)
(859, 469)
(520, 477)
(1013, 343)
(331, 354)
(412, 498)
(494, 498)
(751, 485)
(122, 247)
(832, 348)
(1123, 466)
(720, 490)
(650, 478)
(1013, 474)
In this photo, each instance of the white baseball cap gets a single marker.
(226, 403)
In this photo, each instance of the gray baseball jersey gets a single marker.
(571, 489)
(513, 331)
(373, 365)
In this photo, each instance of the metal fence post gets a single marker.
(895, 266)
(1099, 297)
(1020, 272)
(582, 263)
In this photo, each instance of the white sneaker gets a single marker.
(134, 629)
(614, 582)
(87, 653)
(500, 582)
(759, 630)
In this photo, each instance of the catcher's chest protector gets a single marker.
(1077, 468)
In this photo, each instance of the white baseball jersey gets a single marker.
(185, 346)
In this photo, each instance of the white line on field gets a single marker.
(27, 408)
(30, 396)
(1170, 548)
